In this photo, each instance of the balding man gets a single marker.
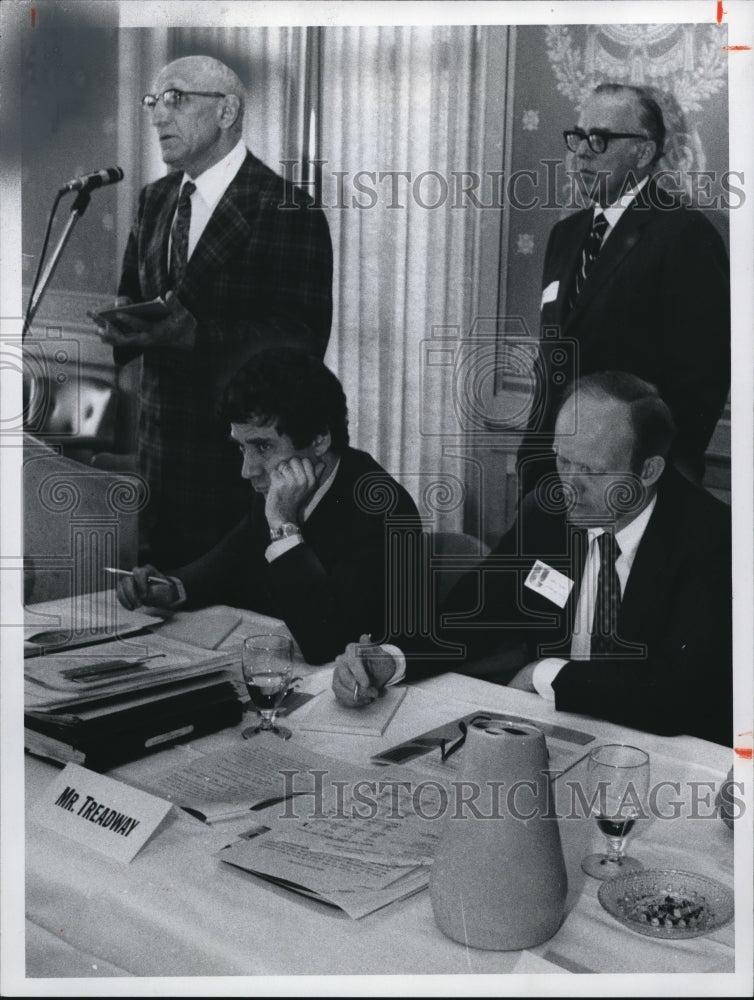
(245, 262)
(616, 579)
(638, 282)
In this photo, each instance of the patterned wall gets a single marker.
(69, 101)
(556, 66)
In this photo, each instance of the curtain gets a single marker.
(387, 118)
(402, 116)
(272, 63)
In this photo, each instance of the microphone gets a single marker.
(90, 181)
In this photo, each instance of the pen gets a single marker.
(127, 572)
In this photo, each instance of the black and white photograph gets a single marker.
(376, 498)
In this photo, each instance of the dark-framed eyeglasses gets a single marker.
(597, 138)
(172, 97)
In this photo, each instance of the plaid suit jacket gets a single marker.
(260, 276)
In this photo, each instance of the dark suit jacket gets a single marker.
(336, 586)
(260, 276)
(674, 674)
(656, 303)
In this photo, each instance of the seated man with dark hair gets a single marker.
(313, 548)
(616, 578)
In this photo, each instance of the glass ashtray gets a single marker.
(667, 904)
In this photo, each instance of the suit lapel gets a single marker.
(226, 230)
(156, 254)
(582, 223)
(652, 571)
(555, 640)
(619, 244)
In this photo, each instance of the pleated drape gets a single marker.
(392, 116)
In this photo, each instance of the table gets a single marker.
(175, 911)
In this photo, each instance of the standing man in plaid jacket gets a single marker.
(244, 262)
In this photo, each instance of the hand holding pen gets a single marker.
(361, 673)
(145, 585)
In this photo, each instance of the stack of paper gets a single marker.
(353, 839)
(369, 842)
(107, 703)
(326, 715)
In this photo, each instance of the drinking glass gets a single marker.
(618, 778)
(267, 667)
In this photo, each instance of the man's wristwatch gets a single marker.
(284, 530)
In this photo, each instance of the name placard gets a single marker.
(100, 813)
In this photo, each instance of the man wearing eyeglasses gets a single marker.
(610, 595)
(636, 283)
(244, 262)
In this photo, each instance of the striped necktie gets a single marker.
(179, 236)
(589, 252)
(608, 600)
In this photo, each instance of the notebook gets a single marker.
(327, 715)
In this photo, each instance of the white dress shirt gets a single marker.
(628, 538)
(210, 187)
(613, 212)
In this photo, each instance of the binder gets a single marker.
(107, 735)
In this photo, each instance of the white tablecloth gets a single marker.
(176, 911)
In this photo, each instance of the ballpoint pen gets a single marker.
(127, 572)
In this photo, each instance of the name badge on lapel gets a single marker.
(548, 582)
(550, 293)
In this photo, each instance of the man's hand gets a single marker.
(292, 483)
(136, 590)
(361, 673)
(522, 681)
(176, 330)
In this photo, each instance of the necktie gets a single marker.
(589, 253)
(608, 599)
(179, 235)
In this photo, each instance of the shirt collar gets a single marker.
(613, 212)
(317, 496)
(628, 538)
(215, 181)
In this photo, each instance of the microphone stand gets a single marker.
(77, 210)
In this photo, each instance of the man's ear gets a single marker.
(652, 469)
(647, 154)
(230, 110)
(321, 443)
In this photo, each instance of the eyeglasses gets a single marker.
(597, 138)
(173, 97)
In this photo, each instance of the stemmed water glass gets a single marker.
(267, 666)
(618, 778)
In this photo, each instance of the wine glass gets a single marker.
(267, 667)
(618, 777)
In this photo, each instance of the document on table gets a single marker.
(110, 669)
(80, 620)
(325, 715)
(207, 628)
(229, 783)
(373, 845)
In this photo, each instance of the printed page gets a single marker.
(371, 846)
(230, 782)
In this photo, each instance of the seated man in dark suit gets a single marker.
(634, 628)
(313, 549)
